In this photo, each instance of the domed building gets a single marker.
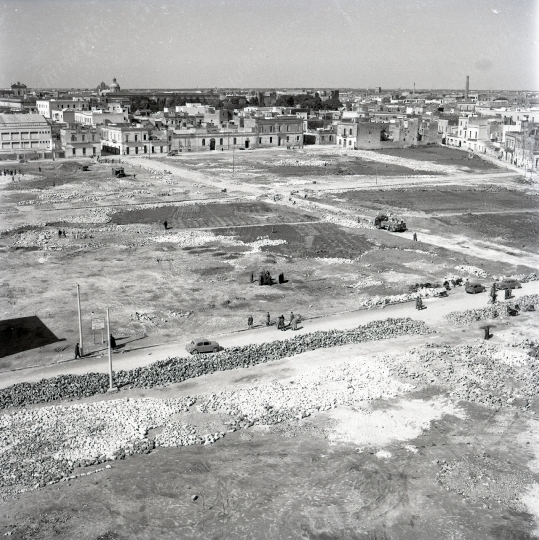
(114, 87)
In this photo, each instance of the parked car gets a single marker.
(474, 288)
(200, 345)
(508, 284)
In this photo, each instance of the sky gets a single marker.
(271, 43)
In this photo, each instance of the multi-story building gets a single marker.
(80, 141)
(25, 134)
(47, 107)
(126, 139)
(98, 117)
(277, 131)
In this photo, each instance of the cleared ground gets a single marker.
(451, 466)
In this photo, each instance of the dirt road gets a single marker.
(436, 310)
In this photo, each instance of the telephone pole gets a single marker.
(111, 388)
(81, 345)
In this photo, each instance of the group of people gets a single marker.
(419, 303)
(281, 324)
(8, 172)
(265, 278)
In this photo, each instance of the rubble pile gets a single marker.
(492, 311)
(491, 375)
(301, 163)
(472, 270)
(174, 370)
(425, 292)
(179, 434)
(351, 384)
(42, 446)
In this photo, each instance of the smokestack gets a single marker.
(467, 87)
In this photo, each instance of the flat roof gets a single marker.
(14, 119)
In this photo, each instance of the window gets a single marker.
(84, 151)
(287, 138)
(136, 148)
(136, 137)
(271, 140)
(144, 136)
(287, 128)
(235, 140)
(297, 138)
(127, 138)
(330, 138)
(127, 150)
(260, 140)
(74, 151)
(220, 142)
(271, 129)
(204, 142)
(161, 149)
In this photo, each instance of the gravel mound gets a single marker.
(493, 311)
(174, 370)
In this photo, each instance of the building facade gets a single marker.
(24, 135)
(80, 141)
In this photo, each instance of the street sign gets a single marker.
(98, 324)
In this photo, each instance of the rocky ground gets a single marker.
(395, 429)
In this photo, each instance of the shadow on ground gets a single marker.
(23, 334)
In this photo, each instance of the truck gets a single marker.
(389, 222)
(118, 172)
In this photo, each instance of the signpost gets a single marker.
(98, 323)
(81, 345)
(111, 388)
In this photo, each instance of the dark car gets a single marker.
(508, 284)
(200, 345)
(474, 288)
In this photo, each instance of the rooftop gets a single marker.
(13, 119)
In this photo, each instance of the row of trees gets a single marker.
(307, 101)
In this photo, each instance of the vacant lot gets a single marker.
(439, 200)
(439, 154)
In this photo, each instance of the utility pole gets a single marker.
(81, 345)
(111, 388)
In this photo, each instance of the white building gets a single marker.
(23, 134)
(46, 107)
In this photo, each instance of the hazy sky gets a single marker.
(270, 43)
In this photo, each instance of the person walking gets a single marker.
(77, 351)
(268, 319)
(294, 323)
(291, 317)
(415, 237)
(166, 224)
(250, 322)
(252, 277)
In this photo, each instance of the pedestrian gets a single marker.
(252, 277)
(77, 351)
(268, 319)
(415, 237)
(250, 322)
(294, 323)
(487, 332)
(112, 342)
(39, 169)
(59, 233)
(166, 224)
(291, 317)
(507, 294)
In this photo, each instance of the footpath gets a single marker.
(433, 315)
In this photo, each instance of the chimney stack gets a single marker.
(467, 87)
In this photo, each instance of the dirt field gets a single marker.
(440, 155)
(402, 453)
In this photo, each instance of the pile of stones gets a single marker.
(492, 311)
(174, 370)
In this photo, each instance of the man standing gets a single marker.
(268, 319)
(291, 317)
(415, 237)
(250, 322)
(77, 351)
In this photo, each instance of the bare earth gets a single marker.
(404, 449)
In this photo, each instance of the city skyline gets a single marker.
(239, 44)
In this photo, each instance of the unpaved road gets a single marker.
(436, 310)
